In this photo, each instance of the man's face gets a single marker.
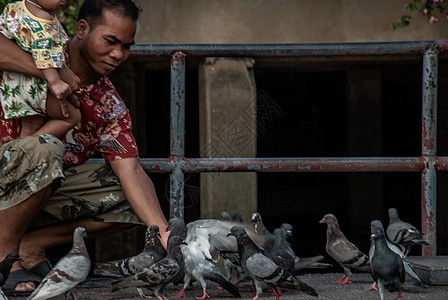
(108, 44)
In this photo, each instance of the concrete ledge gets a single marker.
(433, 270)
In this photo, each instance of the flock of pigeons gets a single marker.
(249, 253)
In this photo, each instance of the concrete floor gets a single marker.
(99, 288)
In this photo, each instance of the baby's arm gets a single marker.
(58, 87)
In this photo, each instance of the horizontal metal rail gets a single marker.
(308, 49)
(177, 164)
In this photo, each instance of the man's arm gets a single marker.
(140, 193)
(14, 59)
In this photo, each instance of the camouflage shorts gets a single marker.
(89, 191)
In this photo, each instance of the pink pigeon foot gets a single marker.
(204, 295)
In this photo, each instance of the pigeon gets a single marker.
(153, 251)
(343, 251)
(70, 270)
(161, 273)
(301, 263)
(282, 254)
(402, 233)
(263, 270)
(387, 267)
(231, 259)
(264, 239)
(407, 265)
(205, 240)
(6, 265)
(225, 216)
(237, 217)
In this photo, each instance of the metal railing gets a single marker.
(428, 163)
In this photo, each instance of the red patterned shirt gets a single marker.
(105, 126)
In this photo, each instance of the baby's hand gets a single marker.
(61, 90)
(69, 77)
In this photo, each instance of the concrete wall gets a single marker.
(279, 21)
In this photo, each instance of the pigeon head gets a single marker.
(175, 224)
(256, 218)
(225, 216)
(329, 219)
(237, 217)
(153, 230)
(287, 229)
(377, 230)
(80, 232)
(176, 241)
(393, 214)
(237, 231)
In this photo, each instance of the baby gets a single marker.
(35, 28)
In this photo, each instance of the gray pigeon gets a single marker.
(387, 266)
(231, 259)
(205, 240)
(153, 251)
(237, 217)
(70, 271)
(402, 233)
(407, 265)
(302, 263)
(225, 216)
(343, 251)
(161, 273)
(263, 270)
(282, 254)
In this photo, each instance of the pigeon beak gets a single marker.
(183, 243)
(158, 234)
(322, 221)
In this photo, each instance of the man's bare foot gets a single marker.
(31, 253)
(25, 286)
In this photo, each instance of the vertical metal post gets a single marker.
(429, 150)
(177, 130)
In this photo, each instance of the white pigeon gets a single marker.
(71, 270)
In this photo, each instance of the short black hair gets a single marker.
(92, 10)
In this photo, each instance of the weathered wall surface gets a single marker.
(279, 21)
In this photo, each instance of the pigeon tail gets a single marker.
(228, 286)
(300, 286)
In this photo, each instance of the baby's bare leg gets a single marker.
(59, 125)
(30, 124)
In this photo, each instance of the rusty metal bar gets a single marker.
(429, 150)
(306, 49)
(177, 130)
(365, 164)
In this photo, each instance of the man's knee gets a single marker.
(45, 147)
(27, 166)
